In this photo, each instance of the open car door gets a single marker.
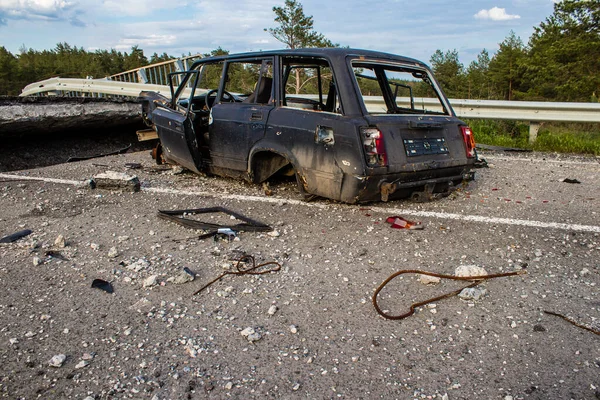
(174, 125)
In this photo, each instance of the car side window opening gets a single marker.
(309, 85)
(396, 89)
(249, 81)
(210, 77)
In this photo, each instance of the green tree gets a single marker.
(564, 61)
(477, 77)
(135, 59)
(155, 58)
(506, 67)
(295, 29)
(449, 72)
(8, 72)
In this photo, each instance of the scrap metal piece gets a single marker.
(120, 151)
(240, 270)
(573, 322)
(16, 236)
(248, 225)
(475, 280)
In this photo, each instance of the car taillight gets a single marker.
(374, 147)
(469, 141)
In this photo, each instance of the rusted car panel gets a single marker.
(348, 124)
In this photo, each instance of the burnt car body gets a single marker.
(350, 125)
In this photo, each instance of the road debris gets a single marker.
(569, 180)
(253, 270)
(569, 320)
(186, 275)
(119, 181)
(56, 254)
(472, 293)
(16, 236)
(469, 270)
(248, 225)
(251, 334)
(57, 361)
(429, 280)
(150, 281)
(402, 223)
(102, 285)
(477, 280)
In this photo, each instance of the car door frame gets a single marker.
(174, 125)
(235, 127)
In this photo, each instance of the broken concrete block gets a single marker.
(469, 270)
(428, 280)
(111, 180)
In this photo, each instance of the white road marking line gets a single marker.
(381, 210)
(42, 179)
(592, 161)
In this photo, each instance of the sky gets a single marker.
(414, 28)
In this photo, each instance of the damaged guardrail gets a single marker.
(535, 112)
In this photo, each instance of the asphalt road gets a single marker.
(323, 338)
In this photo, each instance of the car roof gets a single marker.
(328, 52)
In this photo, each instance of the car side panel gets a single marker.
(233, 130)
(177, 137)
(322, 166)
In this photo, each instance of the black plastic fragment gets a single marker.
(16, 236)
(102, 285)
(569, 180)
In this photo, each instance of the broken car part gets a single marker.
(477, 279)
(401, 223)
(248, 225)
(15, 236)
(252, 270)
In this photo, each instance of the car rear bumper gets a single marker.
(418, 184)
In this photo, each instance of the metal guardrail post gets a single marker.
(534, 128)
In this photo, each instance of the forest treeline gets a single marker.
(560, 62)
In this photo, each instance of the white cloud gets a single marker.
(37, 9)
(140, 7)
(496, 14)
(144, 42)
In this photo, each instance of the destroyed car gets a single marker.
(349, 125)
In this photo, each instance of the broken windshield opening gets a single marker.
(397, 89)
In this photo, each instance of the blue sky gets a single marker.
(411, 28)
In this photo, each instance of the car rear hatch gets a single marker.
(417, 143)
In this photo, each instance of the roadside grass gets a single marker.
(575, 138)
